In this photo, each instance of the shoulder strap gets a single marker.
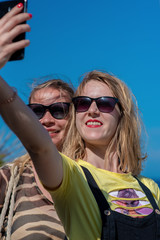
(100, 199)
(148, 194)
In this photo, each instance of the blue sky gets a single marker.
(69, 38)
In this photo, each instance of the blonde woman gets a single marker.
(107, 129)
(101, 195)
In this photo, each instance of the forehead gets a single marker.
(96, 88)
(49, 95)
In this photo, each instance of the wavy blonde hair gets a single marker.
(127, 137)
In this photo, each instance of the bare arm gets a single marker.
(18, 116)
(23, 122)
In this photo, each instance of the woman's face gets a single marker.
(55, 127)
(95, 127)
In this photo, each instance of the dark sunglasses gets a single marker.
(104, 104)
(58, 110)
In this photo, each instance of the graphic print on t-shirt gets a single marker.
(130, 202)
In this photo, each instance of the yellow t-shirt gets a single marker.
(77, 207)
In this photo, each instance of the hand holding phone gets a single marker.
(12, 30)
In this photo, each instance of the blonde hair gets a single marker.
(128, 133)
(55, 84)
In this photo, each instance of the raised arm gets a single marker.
(19, 117)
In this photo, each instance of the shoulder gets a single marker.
(73, 176)
(152, 185)
(73, 168)
(5, 174)
(69, 164)
(5, 171)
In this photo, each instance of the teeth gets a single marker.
(53, 132)
(93, 123)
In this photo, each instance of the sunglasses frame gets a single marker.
(94, 99)
(45, 108)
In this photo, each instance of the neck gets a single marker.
(96, 156)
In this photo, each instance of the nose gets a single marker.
(47, 120)
(93, 109)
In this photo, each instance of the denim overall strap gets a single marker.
(148, 194)
(107, 226)
(101, 201)
(109, 220)
(153, 203)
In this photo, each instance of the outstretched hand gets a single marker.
(11, 27)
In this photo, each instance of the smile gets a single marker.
(53, 131)
(93, 123)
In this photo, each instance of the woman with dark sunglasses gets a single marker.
(26, 208)
(101, 194)
(50, 101)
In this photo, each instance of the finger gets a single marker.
(7, 37)
(9, 49)
(14, 11)
(22, 28)
(18, 45)
(15, 20)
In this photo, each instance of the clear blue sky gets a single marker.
(69, 38)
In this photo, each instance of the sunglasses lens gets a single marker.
(82, 104)
(59, 110)
(37, 109)
(106, 104)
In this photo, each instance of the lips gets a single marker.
(53, 132)
(93, 123)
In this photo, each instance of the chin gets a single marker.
(57, 143)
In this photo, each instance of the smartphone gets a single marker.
(6, 6)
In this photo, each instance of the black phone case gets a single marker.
(6, 6)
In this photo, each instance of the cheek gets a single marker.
(115, 117)
(62, 123)
(114, 121)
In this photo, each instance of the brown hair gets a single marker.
(128, 132)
